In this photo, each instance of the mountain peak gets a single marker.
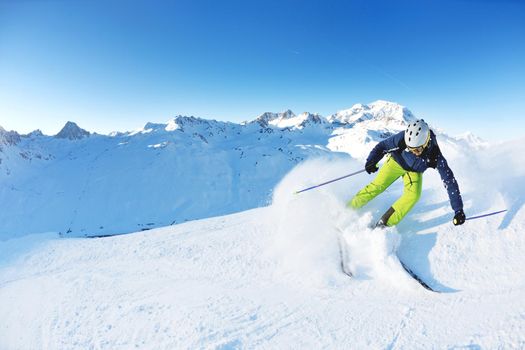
(274, 119)
(390, 114)
(392, 111)
(9, 137)
(287, 114)
(35, 133)
(153, 126)
(72, 131)
(182, 122)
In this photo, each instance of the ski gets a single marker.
(416, 277)
(343, 255)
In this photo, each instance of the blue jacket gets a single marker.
(430, 158)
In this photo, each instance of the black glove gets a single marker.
(459, 218)
(371, 167)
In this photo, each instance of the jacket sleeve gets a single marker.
(389, 144)
(450, 183)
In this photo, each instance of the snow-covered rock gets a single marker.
(34, 133)
(268, 118)
(9, 138)
(289, 119)
(72, 131)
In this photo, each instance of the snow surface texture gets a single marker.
(269, 278)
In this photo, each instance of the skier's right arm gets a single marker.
(389, 144)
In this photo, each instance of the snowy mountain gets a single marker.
(189, 168)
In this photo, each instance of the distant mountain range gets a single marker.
(82, 183)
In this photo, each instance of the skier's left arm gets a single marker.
(452, 187)
(393, 142)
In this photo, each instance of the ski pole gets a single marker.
(482, 216)
(329, 182)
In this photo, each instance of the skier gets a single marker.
(410, 153)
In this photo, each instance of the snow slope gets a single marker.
(269, 278)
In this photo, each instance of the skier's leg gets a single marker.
(413, 183)
(387, 174)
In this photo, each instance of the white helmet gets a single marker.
(417, 134)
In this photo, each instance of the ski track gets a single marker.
(399, 332)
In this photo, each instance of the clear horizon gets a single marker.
(113, 66)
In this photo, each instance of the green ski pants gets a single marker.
(390, 172)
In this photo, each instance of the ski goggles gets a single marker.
(420, 149)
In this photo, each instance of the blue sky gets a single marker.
(114, 65)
